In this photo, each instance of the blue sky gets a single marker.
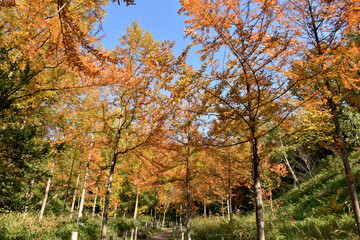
(159, 17)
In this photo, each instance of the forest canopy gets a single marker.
(264, 133)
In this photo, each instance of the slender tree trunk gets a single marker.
(132, 234)
(180, 217)
(165, 209)
(46, 191)
(155, 208)
(28, 196)
(107, 196)
(67, 187)
(235, 205)
(82, 201)
(94, 205)
(229, 205)
(349, 174)
(115, 210)
(271, 205)
(257, 189)
(136, 204)
(101, 205)
(222, 206)
(290, 168)
(125, 212)
(204, 206)
(78, 203)
(137, 194)
(188, 198)
(75, 191)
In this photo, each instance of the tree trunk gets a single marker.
(349, 175)
(67, 187)
(46, 191)
(165, 209)
(180, 219)
(229, 205)
(94, 205)
(155, 207)
(222, 206)
(136, 204)
(290, 168)
(257, 189)
(132, 234)
(137, 194)
(75, 191)
(125, 212)
(115, 211)
(28, 196)
(82, 201)
(188, 198)
(204, 206)
(235, 205)
(107, 196)
(271, 205)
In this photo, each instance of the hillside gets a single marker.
(320, 210)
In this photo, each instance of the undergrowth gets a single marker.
(15, 226)
(320, 210)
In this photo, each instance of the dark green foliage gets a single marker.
(123, 224)
(20, 162)
(15, 78)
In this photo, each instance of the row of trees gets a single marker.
(139, 117)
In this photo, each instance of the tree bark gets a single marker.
(82, 201)
(47, 191)
(136, 204)
(257, 189)
(75, 191)
(107, 196)
(229, 205)
(271, 205)
(165, 209)
(349, 174)
(115, 210)
(204, 206)
(188, 197)
(180, 218)
(28, 196)
(222, 206)
(137, 194)
(155, 207)
(290, 168)
(94, 205)
(67, 187)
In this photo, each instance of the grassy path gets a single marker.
(163, 235)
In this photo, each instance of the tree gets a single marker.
(250, 90)
(329, 64)
(136, 110)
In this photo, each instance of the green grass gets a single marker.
(15, 226)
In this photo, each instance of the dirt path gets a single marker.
(166, 235)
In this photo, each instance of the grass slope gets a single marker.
(320, 210)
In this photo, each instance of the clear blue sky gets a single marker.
(159, 17)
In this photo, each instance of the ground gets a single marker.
(163, 235)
